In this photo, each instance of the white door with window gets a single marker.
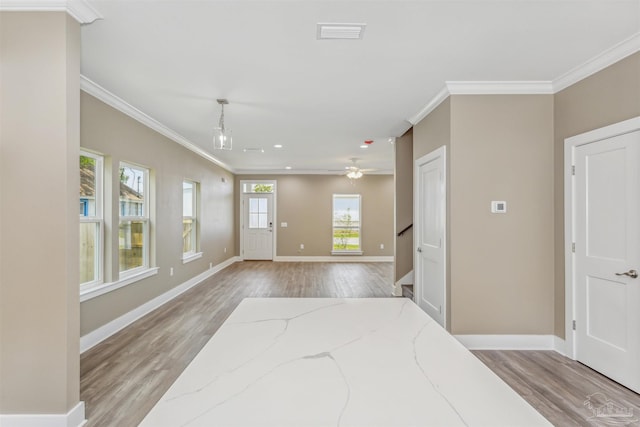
(257, 226)
(606, 223)
(430, 239)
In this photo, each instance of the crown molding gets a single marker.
(432, 105)
(605, 59)
(305, 172)
(121, 105)
(499, 88)
(80, 10)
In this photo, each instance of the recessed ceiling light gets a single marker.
(287, 167)
(277, 146)
(339, 31)
(253, 150)
(364, 146)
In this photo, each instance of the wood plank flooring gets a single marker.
(123, 377)
(558, 387)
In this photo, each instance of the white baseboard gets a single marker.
(73, 418)
(559, 345)
(508, 342)
(407, 279)
(334, 258)
(102, 333)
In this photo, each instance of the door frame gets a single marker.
(241, 212)
(438, 152)
(570, 145)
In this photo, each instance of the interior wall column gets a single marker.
(39, 181)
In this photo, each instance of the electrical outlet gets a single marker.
(171, 271)
(225, 250)
(210, 265)
(381, 245)
(301, 245)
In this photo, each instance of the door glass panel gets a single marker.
(258, 213)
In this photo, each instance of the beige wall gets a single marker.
(609, 96)
(433, 132)
(404, 204)
(502, 264)
(120, 138)
(304, 202)
(39, 140)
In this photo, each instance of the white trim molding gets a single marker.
(559, 345)
(334, 258)
(407, 279)
(499, 88)
(432, 105)
(599, 62)
(508, 342)
(91, 292)
(73, 418)
(102, 333)
(97, 91)
(80, 10)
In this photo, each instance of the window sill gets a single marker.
(96, 290)
(191, 257)
(346, 252)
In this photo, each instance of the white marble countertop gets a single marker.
(337, 362)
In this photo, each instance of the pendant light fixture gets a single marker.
(222, 139)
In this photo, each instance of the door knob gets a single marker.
(631, 273)
(420, 250)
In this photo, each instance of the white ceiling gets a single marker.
(321, 99)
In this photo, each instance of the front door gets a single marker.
(258, 226)
(429, 215)
(606, 209)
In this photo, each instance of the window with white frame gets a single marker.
(190, 196)
(91, 219)
(133, 232)
(347, 224)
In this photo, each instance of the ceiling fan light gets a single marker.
(354, 174)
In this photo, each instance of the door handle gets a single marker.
(631, 273)
(419, 249)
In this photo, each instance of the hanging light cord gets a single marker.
(221, 123)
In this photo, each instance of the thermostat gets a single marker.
(498, 206)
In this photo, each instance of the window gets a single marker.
(346, 224)
(91, 219)
(133, 230)
(189, 219)
(258, 187)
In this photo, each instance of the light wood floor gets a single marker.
(123, 377)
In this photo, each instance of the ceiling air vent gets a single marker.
(333, 31)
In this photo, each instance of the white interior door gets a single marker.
(257, 226)
(430, 239)
(607, 256)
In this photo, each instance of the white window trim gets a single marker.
(89, 292)
(195, 218)
(145, 218)
(98, 219)
(191, 256)
(346, 252)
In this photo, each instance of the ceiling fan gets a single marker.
(354, 171)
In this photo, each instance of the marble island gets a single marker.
(337, 362)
